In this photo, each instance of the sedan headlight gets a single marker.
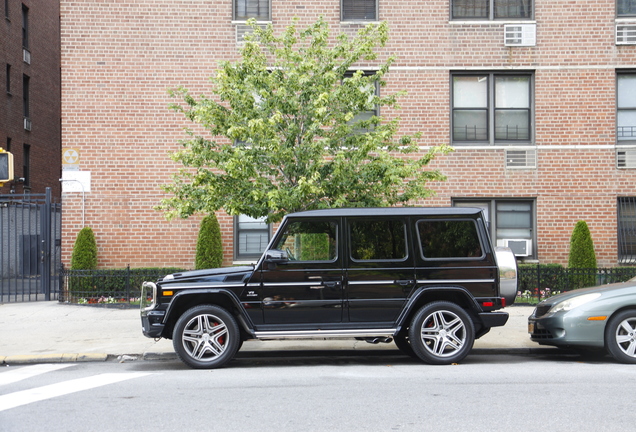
(574, 302)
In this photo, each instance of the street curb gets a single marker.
(53, 358)
(164, 356)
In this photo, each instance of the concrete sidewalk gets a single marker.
(51, 332)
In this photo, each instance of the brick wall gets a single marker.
(119, 57)
(44, 138)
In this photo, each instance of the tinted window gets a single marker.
(309, 241)
(449, 239)
(377, 240)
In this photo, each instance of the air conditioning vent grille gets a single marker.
(26, 56)
(520, 34)
(244, 29)
(27, 124)
(521, 159)
(626, 158)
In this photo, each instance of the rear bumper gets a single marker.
(493, 319)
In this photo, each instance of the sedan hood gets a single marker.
(613, 289)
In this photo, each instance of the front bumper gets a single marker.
(152, 323)
(564, 329)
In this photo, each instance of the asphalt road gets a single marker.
(381, 391)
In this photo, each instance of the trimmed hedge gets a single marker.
(209, 252)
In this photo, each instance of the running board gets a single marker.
(319, 334)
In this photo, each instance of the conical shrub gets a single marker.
(209, 253)
(582, 259)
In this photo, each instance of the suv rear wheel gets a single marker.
(206, 337)
(441, 333)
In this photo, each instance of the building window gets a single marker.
(8, 78)
(625, 8)
(8, 147)
(491, 9)
(25, 27)
(627, 230)
(510, 222)
(25, 95)
(626, 107)
(486, 102)
(246, 9)
(251, 237)
(371, 109)
(359, 10)
(26, 164)
(6, 9)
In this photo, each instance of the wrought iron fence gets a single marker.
(537, 282)
(122, 286)
(108, 287)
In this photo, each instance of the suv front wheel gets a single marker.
(441, 333)
(206, 337)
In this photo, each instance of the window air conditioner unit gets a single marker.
(244, 29)
(626, 158)
(522, 159)
(27, 123)
(520, 35)
(626, 33)
(520, 247)
(26, 56)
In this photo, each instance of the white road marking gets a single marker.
(13, 400)
(20, 373)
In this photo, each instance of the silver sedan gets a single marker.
(602, 317)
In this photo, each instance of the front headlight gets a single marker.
(574, 302)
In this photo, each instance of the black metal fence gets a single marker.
(122, 286)
(537, 282)
(108, 287)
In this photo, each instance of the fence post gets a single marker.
(538, 285)
(128, 282)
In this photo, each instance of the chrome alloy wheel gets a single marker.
(205, 337)
(626, 336)
(443, 333)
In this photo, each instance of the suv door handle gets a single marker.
(404, 282)
(331, 284)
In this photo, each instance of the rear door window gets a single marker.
(441, 239)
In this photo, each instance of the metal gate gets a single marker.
(30, 247)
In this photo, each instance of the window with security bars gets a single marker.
(359, 10)
(627, 230)
(490, 108)
(246, 9)
(626, 108)
(625, 8)
(491, 9)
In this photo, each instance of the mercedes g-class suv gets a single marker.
(426, 278)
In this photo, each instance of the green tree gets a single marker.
(209, 253)
(298, 130)
(83, 259)
(582, 257)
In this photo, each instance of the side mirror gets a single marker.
(275, 256)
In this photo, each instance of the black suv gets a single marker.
(426, 278)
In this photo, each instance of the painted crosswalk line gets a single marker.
(21, 373)
(24, 397)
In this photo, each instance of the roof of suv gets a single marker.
(390, 211)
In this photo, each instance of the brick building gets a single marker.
(30, 104)
(540, 108)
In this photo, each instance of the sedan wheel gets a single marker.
(442, 333)
(206, 337)
(620, 336)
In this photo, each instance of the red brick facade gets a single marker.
(119, 57)
(43, 141)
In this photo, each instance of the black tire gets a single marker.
(403, 344)
(206, 337)
(442, 333)
(620, 336)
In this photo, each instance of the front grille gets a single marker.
(542, 334)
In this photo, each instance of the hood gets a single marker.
(610, 289)
(225, 274)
